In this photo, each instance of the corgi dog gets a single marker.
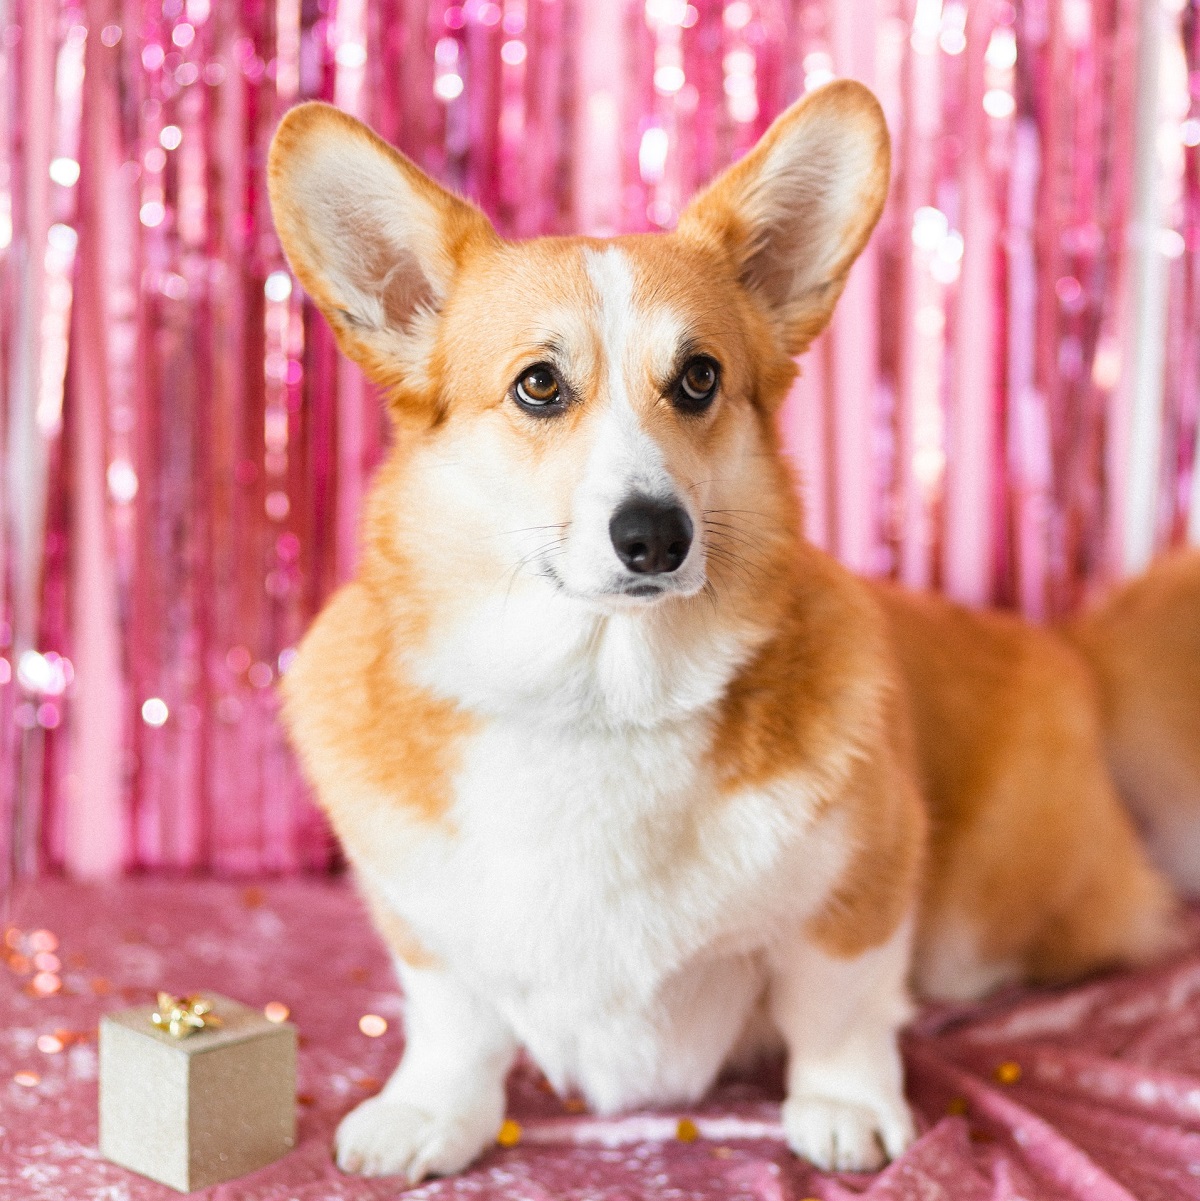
(630, 775)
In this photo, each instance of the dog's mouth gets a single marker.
(641, 592)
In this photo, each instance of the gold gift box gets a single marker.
(196, 1111)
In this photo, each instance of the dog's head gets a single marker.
(588, 417)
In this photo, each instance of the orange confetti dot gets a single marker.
(49, 1043)
(43, 940)
(687, 1131)
(19, 965)
(575, 1105)
(45, 984)
(253, 896)
(100, 986)
(1008, 1072)
(12, 938)
(27, 1079)
(509, 1134)
(956, 1106)
(276, 1011)
(372, 1025)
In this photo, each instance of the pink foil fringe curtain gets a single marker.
(1005, 406)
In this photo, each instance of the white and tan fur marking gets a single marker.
(635, 344)
(586, 851)
(636, 808)
(620, 921)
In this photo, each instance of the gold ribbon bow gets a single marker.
(181, 1016)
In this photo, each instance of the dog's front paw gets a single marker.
(384, 1137)
(847, 1136)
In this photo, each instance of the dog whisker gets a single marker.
(529, 529)
(723, 534)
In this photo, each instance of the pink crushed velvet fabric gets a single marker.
(1090, 1093)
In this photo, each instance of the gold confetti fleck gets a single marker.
(509, 1134)
(51, 1044)
(687, 1131)
(575, 1105)
(27, 1079)
(956, 1106)
(372, 1025)
(276, 1011)
(1008, 1072)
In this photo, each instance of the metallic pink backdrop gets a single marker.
(1005, 406)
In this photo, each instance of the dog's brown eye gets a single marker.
(537, 388)
(697, 385)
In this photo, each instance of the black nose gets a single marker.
(649, 536)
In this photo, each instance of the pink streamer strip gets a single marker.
(185, 455)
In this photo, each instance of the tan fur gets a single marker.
(1143, 643)
(964, 749)
(1029, 843)
(820, 697)
(367, 737)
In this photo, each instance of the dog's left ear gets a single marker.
(797, 210)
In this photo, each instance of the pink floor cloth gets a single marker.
(1090, 1093)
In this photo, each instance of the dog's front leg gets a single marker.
(845, 1107)
(445, 1102)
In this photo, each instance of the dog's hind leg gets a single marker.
(1143, 645)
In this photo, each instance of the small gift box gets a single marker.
(196, 1091)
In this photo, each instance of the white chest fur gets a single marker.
(603, 895)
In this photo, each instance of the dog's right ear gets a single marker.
(375, 242)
